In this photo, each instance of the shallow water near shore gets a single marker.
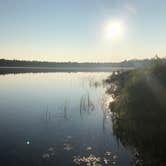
(57, 119)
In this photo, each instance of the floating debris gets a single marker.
(27, 142)
(106, 161)
(113, 162)
(67, 147)
(89, 148)
(108, 153)
(114, 156)
(90, 160)
(46, 155)
(139, 162)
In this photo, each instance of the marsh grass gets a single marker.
(139, 111)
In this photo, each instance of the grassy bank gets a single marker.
(139, 109)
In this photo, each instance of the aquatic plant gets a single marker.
(86, 105)
(139, 112)
(92, 160)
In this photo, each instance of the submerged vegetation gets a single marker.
(139, 111)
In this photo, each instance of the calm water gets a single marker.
(57, 119)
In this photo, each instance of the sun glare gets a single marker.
(114, 30)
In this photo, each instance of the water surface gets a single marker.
(57, 119)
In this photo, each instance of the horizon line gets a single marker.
(141, 59)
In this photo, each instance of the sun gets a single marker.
(114, 30)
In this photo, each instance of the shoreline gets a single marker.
(10, 70)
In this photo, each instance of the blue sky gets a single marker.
(72, 30)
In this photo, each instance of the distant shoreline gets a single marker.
(18, 66)
(15, 70)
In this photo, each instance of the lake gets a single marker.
(57, 119)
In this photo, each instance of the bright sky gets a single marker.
(82, 30)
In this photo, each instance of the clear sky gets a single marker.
(82, 30)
